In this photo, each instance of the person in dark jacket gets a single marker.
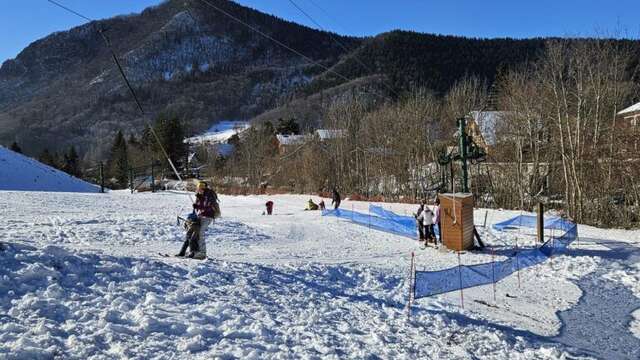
(418, 222)
(336, 199)
(269, 205)
(207, 209)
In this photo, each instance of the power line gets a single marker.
(357, 59)
(124, 77)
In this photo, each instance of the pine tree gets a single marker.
(71, 162)
(48, 159)
(288, 127)
(15, 147)
(171, 133)
(118, 163)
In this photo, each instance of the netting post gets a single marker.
(540, 222)
(351, 211)
(412, 288)
(517, 263)
(460, 276)
(493, 273)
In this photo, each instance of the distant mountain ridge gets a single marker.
(186, 58)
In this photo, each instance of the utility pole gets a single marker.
(153, 179)
(101, 178)
(462, 124)
(131, 179)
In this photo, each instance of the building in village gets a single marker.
(481, 125)
(288, 142)
(631, 115)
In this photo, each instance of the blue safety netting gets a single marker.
(381, 219)
(408, 221)
(530, 221)
(374, 222)
(429, 283)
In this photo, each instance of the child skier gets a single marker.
(426, 217)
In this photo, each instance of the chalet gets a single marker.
(631, 115)
(482, 126)
(329, 134)
(287, 142)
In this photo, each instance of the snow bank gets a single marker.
(22, 173)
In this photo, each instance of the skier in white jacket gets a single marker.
(426, 217)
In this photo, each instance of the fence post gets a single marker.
(101, 177)
(131, 179)
(517, 263)
(493, 273)
(460, 276)
(153, 179)
(412, 275)
(540, 222)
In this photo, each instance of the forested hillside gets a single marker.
(188, 59)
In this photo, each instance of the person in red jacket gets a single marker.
(207, 209)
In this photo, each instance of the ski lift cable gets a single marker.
(258, 31)
(269, 37)
(126, 80)
(357, 59)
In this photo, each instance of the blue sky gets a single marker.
(23, 21)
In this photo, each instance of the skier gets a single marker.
(311, 205)
(207, 209)
(426, 217)
(336, 199)
(269, 205)
(418, 222)
(192, 225)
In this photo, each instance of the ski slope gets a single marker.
(219, 133)
(81, 278)
(19, 172)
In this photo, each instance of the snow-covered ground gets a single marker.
(19, 172)
(81, 278)
(220, 132)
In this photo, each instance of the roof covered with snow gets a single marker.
(291, 139)
(22, 173)
(487, 121)
(327, 134)
(630, 109)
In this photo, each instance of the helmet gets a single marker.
(201, 185)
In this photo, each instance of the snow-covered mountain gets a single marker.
(22, 173)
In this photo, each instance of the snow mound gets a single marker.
(22, 173)
(68, 304)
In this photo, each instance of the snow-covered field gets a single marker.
(80, 277)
